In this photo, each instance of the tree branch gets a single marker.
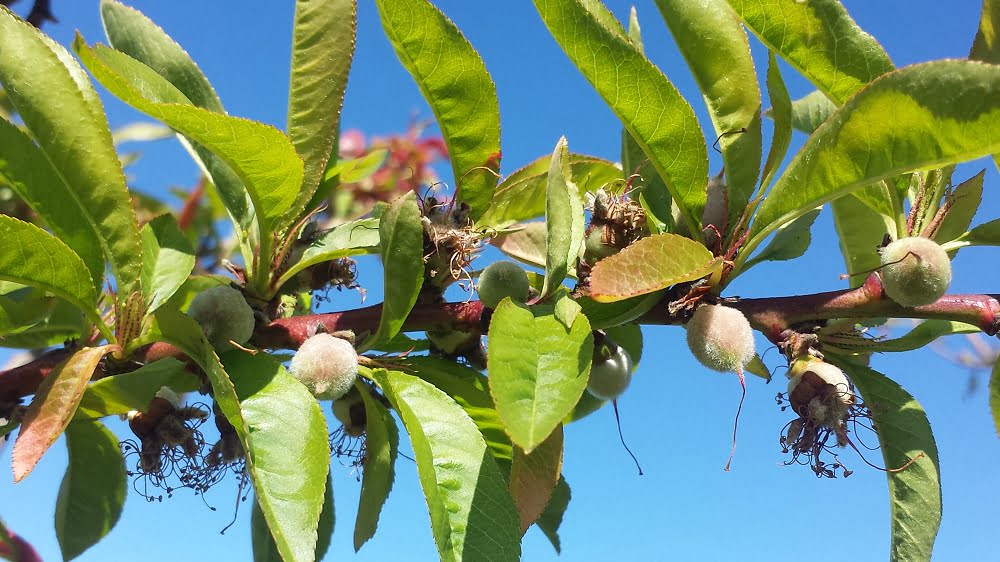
(771, 316)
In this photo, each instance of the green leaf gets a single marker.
(811, 110)
(349, 239)
(648, 265)
(649, 106)
(140, 131)
(31, 256)
(860, 230)
(470, 389)
(62, 322)
(401, 236)
(27, 171)
(288, 461)
(264, 549)
(966, 199)
(789, 242)
(261, 156)
(381, 447)
(712, 41)
(538, 369)
(524, 242)
(93, 489)
(986, 234)
(820, 40)
(929, 114)
(357, 169)
(552, 517)
(521, 195)
(53, 407)
(472, 515)
(23, 308)
(986, 45)
(132, 33)
(904, 435)
(564, 221)
(120, 394)
(167, 260)
(533, 477)
(608, 314)
(454, 81)
(925, 333)
(782, 114)
(995, 396)
(60, 108)
(322, 49)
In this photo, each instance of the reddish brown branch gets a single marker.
(771, 316)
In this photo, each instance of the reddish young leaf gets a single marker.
(54, 405)
(16, 549)
(648, 265)
(534, 476)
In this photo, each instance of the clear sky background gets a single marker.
(677, 416)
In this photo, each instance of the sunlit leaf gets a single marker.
(381, 447)
(53, 407)
(564, 220)
(93, 489)
(712, 41)
(811, 110)
(288, 458)
(525, 243)
(322, 49)
(264, 548)
(167, 260)
(925, 333)
(348, 239)
(454, 81)
(472, 515)
(904, 435)
(964, 202)
(860, 231)
(537, 369)
(782, 115)
(649, 106)
(60, 108)
(995, 396)
(986, 46)
(608, 314)
(789, 242)
(648, 265)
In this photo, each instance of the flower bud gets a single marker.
(326, 365)
(915, 271)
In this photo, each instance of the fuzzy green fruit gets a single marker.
(610, 378)
(595, 249)
(915, 271)
(503, 279)
(326, 365)
(720, 338)
(223, 315)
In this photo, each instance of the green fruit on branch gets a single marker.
(326, 365)
(915, 271)
(611, 376)
(502, 279)
(224, 316)
(720, 338)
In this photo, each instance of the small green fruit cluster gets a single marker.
(503, 279)
(224, 316)
(611, 376)
(720, 338)
(915, 271)
(326, 365)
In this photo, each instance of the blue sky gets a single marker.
(677, 416)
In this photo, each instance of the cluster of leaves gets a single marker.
(488, 449)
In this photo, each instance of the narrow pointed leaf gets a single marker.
(649, 106)
(922, 116)
(261, 156)
(533, 477)
(61, 110)
(564, 220)
(538, 369)
(995, 396)
(288, 459)
(925, 333)
(967, 197)
(27, 171)
(167, 260)
(525, 244)
(609, 314)
(31, 256)
(781, 114)
(811, 110)
(401, 237)
(348, 239)
(132, 33)
(986, 45)
(92, 493)
(521, 195)
(904, 434)
(63, 322)
(648, 265)
(712, 41)
(789, 242)
(322, 49)
(53, 407)
(472, 515)
(552, 517)
(860, 231)
(264, 548)
(454, 81)
(120, 394)
(381, 447)
(820, 40)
